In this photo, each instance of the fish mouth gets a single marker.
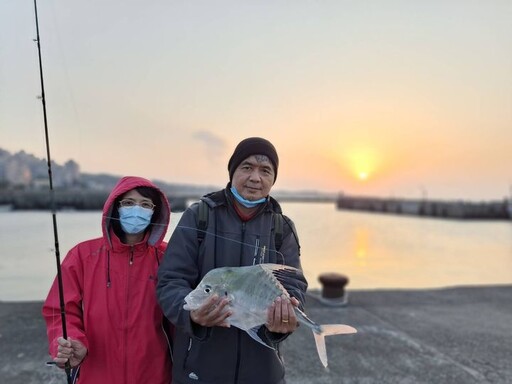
(187, 306)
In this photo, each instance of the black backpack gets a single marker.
(202, 225)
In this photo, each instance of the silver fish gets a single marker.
(251, 290)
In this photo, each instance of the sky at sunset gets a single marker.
(385, 98)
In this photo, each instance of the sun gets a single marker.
(362, 175)
(362, 162)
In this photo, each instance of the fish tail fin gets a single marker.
(320, 331)
(329, 330)
(320, 347)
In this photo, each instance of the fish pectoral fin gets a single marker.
(253, 332)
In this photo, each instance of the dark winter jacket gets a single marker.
(217, 354)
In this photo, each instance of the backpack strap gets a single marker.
(203, 211)
(278, 230)
(202, 220)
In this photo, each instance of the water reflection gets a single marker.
(372, 250)
(361, 245)
(386, 251)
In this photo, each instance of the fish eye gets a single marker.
(225, 293)
(207, 289)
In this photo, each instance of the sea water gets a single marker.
(375, 251)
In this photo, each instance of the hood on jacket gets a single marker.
(157, 229)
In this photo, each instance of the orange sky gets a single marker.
(416, 95)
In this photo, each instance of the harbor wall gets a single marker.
(68, 199)
(457, 209)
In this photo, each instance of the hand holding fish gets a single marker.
(255, 296)
(281, 315)
(72, 350)
(212, 313)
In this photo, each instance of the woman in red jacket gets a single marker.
(116, 330)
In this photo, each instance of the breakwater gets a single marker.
(68, 199)
(487, 210)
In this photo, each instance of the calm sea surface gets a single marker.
(373, 250)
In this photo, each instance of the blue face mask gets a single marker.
(134, 219)
(246, 203)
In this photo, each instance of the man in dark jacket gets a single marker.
(240, 230)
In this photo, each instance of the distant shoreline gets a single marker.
(90, 199)
(84, 199)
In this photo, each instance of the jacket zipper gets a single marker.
(125, 341)
(242, 240)
(187, 354)
(238, 346)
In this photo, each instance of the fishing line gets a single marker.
(52, 196)
(261, 249)
(257, 248)
(77, 125)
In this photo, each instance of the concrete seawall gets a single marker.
(487, 210)
(69, 199)
(454, 336)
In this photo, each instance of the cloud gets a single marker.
(214, 146)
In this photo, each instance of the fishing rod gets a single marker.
(67, 366)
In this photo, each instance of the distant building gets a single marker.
(17, 173)
(41, 183)
(67, 175)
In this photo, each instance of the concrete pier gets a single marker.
(457, 209)
(454, 336)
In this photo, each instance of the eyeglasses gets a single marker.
(132, 203)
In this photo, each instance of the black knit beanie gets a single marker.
(253, 146)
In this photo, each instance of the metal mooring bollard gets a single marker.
(333, 285)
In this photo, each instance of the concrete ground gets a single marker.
(456, 336)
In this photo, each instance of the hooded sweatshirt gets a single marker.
(110, 301)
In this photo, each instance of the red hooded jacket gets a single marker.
(110, 302)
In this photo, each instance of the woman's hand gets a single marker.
(69, 350)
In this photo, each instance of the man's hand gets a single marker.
(281, 316)
(69, 350)
(212, 313)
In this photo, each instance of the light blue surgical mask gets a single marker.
(135, 219)
(246, 203)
